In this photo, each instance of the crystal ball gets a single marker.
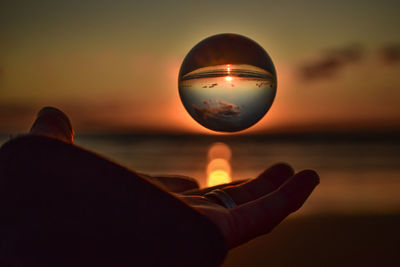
(227, 82)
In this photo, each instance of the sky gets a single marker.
(113, 66)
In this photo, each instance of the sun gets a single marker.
(218, 177)
(228, 78)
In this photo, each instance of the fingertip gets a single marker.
(310, 175)
(297, 189)
(55, 112)
(282, 169)
(52, 122)
(283, 165)
(277, 174)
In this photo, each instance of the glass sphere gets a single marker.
(227, 82)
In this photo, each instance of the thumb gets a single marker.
(54, 123)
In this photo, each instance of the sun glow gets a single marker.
(219, 150)
(218, 177)
(228, 78)
(218, 167)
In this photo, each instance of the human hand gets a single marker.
(260, 203)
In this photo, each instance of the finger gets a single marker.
(174, 183)
(265, 183)
(53, 123)
(262, 215)
(201, 192)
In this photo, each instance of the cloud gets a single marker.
(331, 63)
(390, 53)
(216, 110)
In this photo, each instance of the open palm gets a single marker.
(262, 203)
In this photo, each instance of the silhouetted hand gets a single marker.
(260, 203)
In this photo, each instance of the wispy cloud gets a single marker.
(216, 110)
(331, 62)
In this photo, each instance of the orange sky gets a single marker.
(113, 66)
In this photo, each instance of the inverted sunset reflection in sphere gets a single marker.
(227, 82)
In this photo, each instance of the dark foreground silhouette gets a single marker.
(62, 205)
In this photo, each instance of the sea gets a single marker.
(359, 172)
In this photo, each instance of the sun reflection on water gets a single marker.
(218, 168)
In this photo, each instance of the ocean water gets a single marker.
(359, 173)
